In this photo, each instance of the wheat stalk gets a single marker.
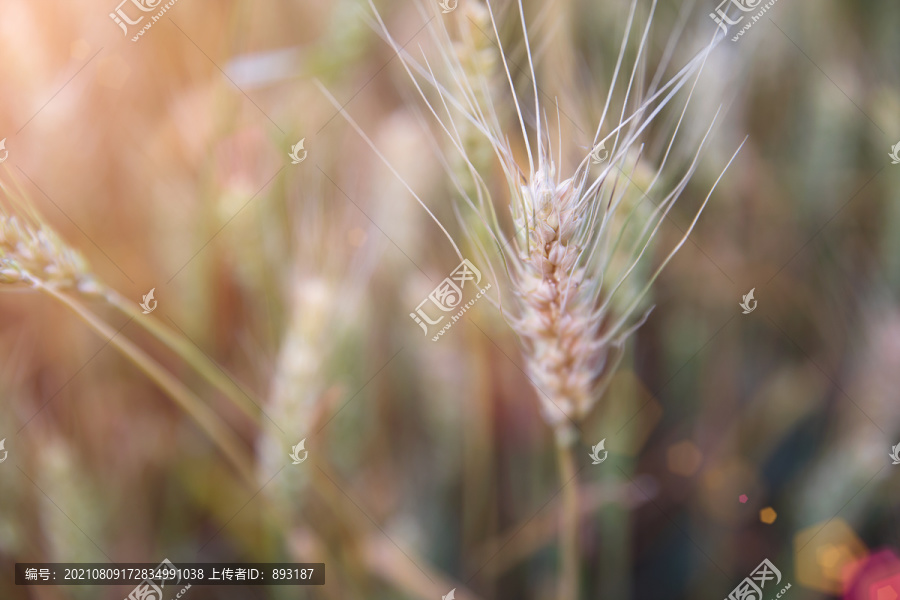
(578, 239)
(31, 253)
(33, 256)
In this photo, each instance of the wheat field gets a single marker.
(463, 300)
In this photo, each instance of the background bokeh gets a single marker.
(165, 162)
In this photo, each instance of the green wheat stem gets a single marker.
(226, 440)
(568, 532)
(190, 354)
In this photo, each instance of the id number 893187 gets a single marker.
(292, 573)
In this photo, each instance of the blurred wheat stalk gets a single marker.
(33, 255)
(578, 238)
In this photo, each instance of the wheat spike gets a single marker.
(577, 240)
(32, 253)
(575, 266)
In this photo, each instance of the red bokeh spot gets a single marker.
(876, 577)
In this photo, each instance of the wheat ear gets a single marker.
(33, 255)
(577, 239)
